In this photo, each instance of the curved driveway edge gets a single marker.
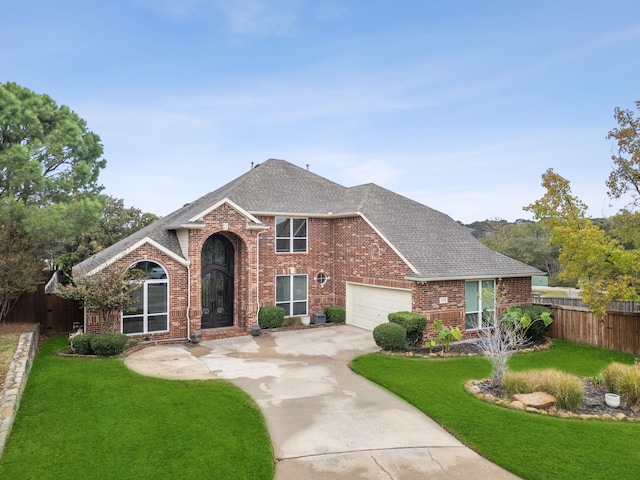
(325, 421)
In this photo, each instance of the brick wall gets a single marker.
(445, 300)
(232, 225)
(177, 278)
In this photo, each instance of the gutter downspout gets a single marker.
(188, 301)
(258, 274)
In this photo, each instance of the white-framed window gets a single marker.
(148, 311)
(480, 303)
(291, 235)
(291, 294)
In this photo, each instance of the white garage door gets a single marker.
(368, 306)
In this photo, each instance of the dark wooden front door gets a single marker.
(217, 283)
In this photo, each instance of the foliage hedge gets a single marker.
(537, 331)
(335, 314)
(390, 336)
(413, 323)
(81, 344)
(271, 317)
(109, 344)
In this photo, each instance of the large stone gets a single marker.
(535, 399)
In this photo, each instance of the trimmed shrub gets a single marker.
(537, 331)
(335, 314)
(271, 317)
(109, 344)
(623, 380)
(567, 389)
(390, 336)
(413, 323)
(81, 344)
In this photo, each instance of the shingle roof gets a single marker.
(433, 244)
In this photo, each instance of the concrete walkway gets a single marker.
(325, 421)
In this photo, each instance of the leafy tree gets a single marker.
(49, 167)
(606, 270)
(625, 177)
(117, 222)
(106, 293)
(18, 266)
(527, 242)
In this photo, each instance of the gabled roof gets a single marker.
(433, 245)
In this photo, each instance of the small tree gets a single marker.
(19, 266)
(107, 293)
(505, 336)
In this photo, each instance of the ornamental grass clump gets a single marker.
(567, 389)
(623, 380)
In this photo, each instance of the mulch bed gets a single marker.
(13, 329)
(592, 402)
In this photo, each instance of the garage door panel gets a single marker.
(368, 306)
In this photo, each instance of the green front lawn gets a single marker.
(531, 446)
(93, 418)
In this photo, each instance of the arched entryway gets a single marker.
(217, 282)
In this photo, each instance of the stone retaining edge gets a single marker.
(15, 382)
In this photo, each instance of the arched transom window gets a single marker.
(148, 311)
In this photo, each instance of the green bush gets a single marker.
(271, 317)
(390, 336)
(537, 331)
(335, 314)
(109, 344)
(623, 380)
(81, 344)
(413, 323)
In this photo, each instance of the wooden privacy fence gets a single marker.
(618, 330)
(54, 314)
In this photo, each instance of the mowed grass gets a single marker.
(531, 446)
(93, 418)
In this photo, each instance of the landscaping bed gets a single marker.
(592, 402)
(9, 335)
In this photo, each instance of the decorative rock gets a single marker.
(621, 416)
(474, 389)
(586, 416)
(532, 410)
(535, 399)
(517, 405)
(489, 398)
(564, 415)
(606, 416)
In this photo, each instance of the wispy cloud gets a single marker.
(260, 17)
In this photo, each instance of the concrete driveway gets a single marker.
(325, 421)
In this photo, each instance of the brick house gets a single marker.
(281, 235)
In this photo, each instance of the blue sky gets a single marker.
(460, 105)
